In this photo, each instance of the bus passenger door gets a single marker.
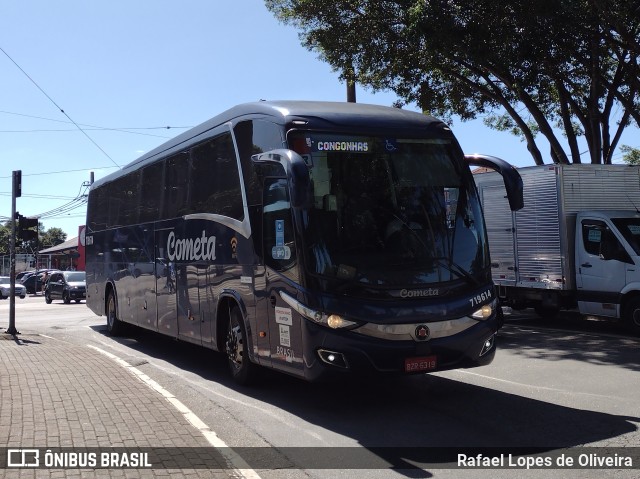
(187, 286)
(145, 280)
(281, 275)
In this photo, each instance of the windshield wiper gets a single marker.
(455, 268)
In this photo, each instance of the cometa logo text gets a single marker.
(190, 249)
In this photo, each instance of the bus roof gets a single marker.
(316, 115)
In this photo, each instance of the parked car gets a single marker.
(5, 288)
(23, 275)
(33, 283)
(67, 286)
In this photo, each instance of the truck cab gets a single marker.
(607, 250)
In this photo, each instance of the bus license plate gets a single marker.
(426, 363)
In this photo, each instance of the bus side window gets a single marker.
(176, 184)
(98, 211)
(124, 199)
(279, 247)
(215, 181)
(151, 192)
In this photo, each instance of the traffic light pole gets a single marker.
(16, 191)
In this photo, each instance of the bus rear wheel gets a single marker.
(115, 327)
(241, 367)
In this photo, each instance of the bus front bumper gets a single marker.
(334, 352)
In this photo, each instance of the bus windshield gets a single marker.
(390, 212)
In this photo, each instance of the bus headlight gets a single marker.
(336, 321)
(485, 311)
(333, 321)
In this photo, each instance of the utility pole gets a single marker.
(15, 193)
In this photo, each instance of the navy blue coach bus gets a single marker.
(307, 237)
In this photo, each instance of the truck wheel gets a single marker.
(241, 367)
(546, 312)
(631, 315)
(115, 327)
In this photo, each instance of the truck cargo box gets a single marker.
(533, 247)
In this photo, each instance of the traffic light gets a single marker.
(25, 233)
(17, 183)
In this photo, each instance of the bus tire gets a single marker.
(115, 327)
(236, 346)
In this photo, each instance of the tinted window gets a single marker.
(215, 180)
(253, 137)
(176, 188)
(98, 210)
(123, 200)
(151, 192)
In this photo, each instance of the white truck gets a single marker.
(574, 245)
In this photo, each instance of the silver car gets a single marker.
(5, 288)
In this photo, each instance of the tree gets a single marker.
(531, 67)
(51, 237)
(5, 237)
(631, 156)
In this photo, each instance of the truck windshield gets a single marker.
(630, 229)
(390, 212)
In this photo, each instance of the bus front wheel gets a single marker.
(241, 367)
(114, 325)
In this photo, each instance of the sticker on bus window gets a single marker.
(281, 252)
(279, 232)
(635, 229)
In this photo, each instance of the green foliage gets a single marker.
(631, 156)
(528, 66)
(51, 237)
(5, 237)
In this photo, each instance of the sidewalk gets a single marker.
(55, 394)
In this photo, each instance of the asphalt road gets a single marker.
(555, 387)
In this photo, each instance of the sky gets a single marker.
(133, 74)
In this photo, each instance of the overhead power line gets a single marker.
(87, 127)
(79, 201)
(59, 108)
(61, 171)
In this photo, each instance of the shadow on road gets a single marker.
(571, 337)
(390, 416)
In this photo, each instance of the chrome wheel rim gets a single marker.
(111, 312)
(235, 344)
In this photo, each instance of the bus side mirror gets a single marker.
(297, 173)
(510, 176)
